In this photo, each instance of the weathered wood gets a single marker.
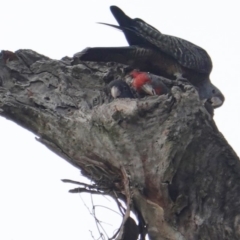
(184, 177)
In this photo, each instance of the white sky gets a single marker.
(34, 203)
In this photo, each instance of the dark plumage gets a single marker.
(119, 89)
(140, 33)
(164, 55)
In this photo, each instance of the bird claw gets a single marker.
(182, 81)
(180, 78)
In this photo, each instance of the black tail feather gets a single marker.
(120, 16)
(127, 25)
(111, 25)
(133, 37)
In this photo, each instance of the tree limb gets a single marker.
(183, 175)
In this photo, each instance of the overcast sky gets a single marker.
(34, 203)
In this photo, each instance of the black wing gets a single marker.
(138, 32)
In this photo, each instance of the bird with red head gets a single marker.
(147, 83)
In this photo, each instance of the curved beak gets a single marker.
(217, 101)
(148, 88)
(115, 92)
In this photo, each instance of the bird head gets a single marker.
(211, 93)
(120, 89)
(142, 82)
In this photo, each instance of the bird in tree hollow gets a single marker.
(160, 54)
(119, 89)
(148, 83)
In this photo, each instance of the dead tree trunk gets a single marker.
(162, 155)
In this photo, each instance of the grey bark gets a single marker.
(184, 178)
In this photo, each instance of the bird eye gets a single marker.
(213, 91)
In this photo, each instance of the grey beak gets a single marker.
(115, 92)
(148, 88)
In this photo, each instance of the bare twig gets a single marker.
(119, 204)
(95, 186)
(108, 209)
(98, 223)
(128, 202)
(81, 190)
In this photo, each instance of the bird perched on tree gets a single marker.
(160, 54)
(119, 89)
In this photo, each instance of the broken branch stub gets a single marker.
(179, 166)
